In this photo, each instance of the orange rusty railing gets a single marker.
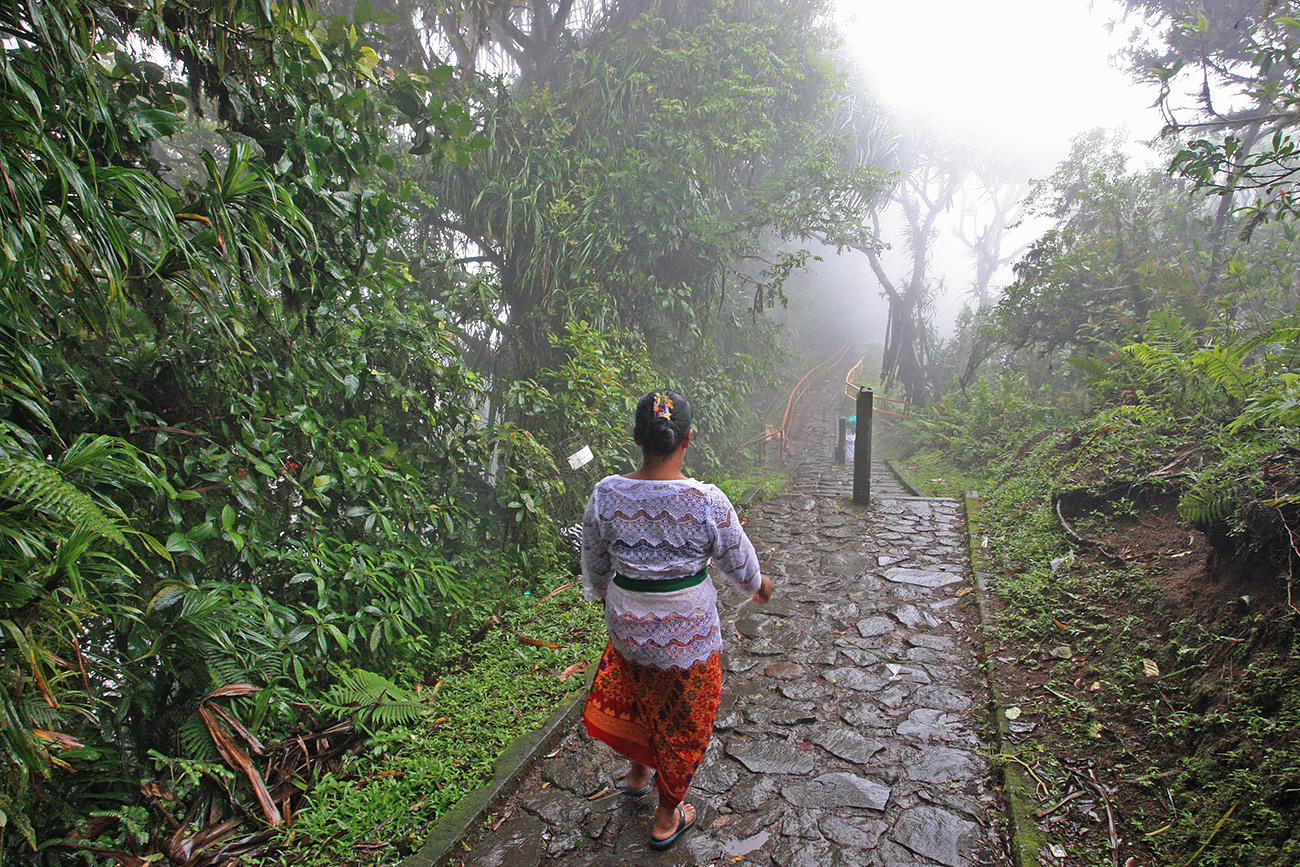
(851, 392)
(779, 434)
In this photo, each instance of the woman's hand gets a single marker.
(764, 591)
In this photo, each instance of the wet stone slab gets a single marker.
(786, 714)
(841, 610)
(764, 647)
(771, 757)
(914, 617)
(716, 775)
(558, 807)
(752, 793)
(780, 608)
(925, 656)
(942, 765)
(927, 724)
(933, 833)
(751, 624)
(856, 679)
(921, 577)
(735, 664)
(583, 777)
(846, 563)
(853, 832)
(798, 635)
(848, 745)
(805, 691)
(517, 843)
(879, 625)
(836, 790)
(944, 698)
(896, 695)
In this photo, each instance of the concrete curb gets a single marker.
(1025, 838)
(518, 759)
(749, 498)
(904, 480)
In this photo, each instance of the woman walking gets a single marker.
(647, 540)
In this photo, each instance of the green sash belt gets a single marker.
(668, 585)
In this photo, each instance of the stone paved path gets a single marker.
(849, 729)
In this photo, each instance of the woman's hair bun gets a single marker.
(663, 420)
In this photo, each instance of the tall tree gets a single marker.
(1225, 70)
(930, 177)
(185, 381)
(991, 202)
(1124, 244)
(630, 179)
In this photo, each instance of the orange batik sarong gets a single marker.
(658, 717)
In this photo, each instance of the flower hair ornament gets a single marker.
(663, 406)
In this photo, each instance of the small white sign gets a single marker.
(581, 458)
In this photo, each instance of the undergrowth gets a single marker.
(495, 675)
(1188, 717)
(490, 691)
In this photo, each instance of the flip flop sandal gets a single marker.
(682, 827)
(636, 793)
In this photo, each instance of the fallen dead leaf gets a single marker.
(535, 643)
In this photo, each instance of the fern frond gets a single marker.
(13, 814)
(196, 740)
(1287, 336)
(398, 713)
(361, 687)
(1223, 366)
(40, 487)
(371, 699)
(1202, 508)
(223, 668)
(1159, 360)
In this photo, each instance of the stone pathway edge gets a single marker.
(1024, 838)
(473, 809)
(906, 482)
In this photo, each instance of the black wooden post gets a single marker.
(839, 443)
(862, 449)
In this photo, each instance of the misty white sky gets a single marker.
(1026, 74)
(1019, 77)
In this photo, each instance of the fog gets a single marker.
(1008, 82)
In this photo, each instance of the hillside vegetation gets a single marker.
(1132, 435)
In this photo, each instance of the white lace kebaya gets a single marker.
(658, 531)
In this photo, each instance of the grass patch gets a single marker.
(377, 809)
(736, 485)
